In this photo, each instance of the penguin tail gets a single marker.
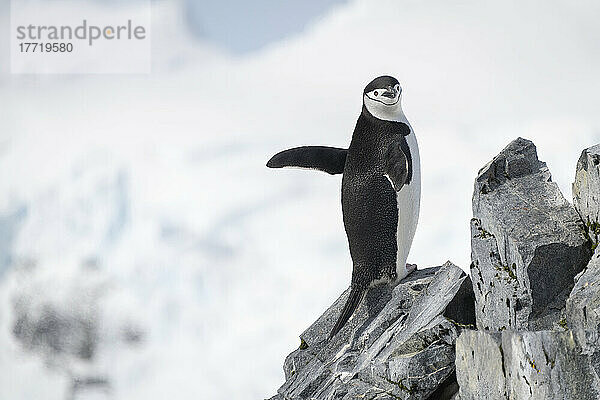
(356, 295)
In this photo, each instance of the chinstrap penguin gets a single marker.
(381, 189)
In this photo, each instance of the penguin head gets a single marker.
(382, 98)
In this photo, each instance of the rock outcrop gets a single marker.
(77, 330)
(583, 304)
(527, 244)
(535, 300)
(398, 345)
(586, 189)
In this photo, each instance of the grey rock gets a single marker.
(528, 243)
(480, 366)
(583, 309)
(55, 331)
(583, 304)
(523, 365)
(398, 345)
(586, 189)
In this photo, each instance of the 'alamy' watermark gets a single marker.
(69, 37)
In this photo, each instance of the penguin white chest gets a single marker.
(408, 201)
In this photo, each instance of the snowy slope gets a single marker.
(138, 210)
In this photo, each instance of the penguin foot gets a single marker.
(411, 268)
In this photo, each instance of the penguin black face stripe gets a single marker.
(389, 96)
(385, 90)
(381, 82)
(381, 188)
(382, 99)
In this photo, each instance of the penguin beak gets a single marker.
(390, 92)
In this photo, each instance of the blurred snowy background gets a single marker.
(147, 253)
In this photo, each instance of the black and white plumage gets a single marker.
(381, 188)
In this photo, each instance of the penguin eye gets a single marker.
(375, 93)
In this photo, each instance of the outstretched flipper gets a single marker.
(396, 166)
(327, 159)
(356, 295)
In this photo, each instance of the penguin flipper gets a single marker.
(396, 166)
(327, 159)
(356, 295)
